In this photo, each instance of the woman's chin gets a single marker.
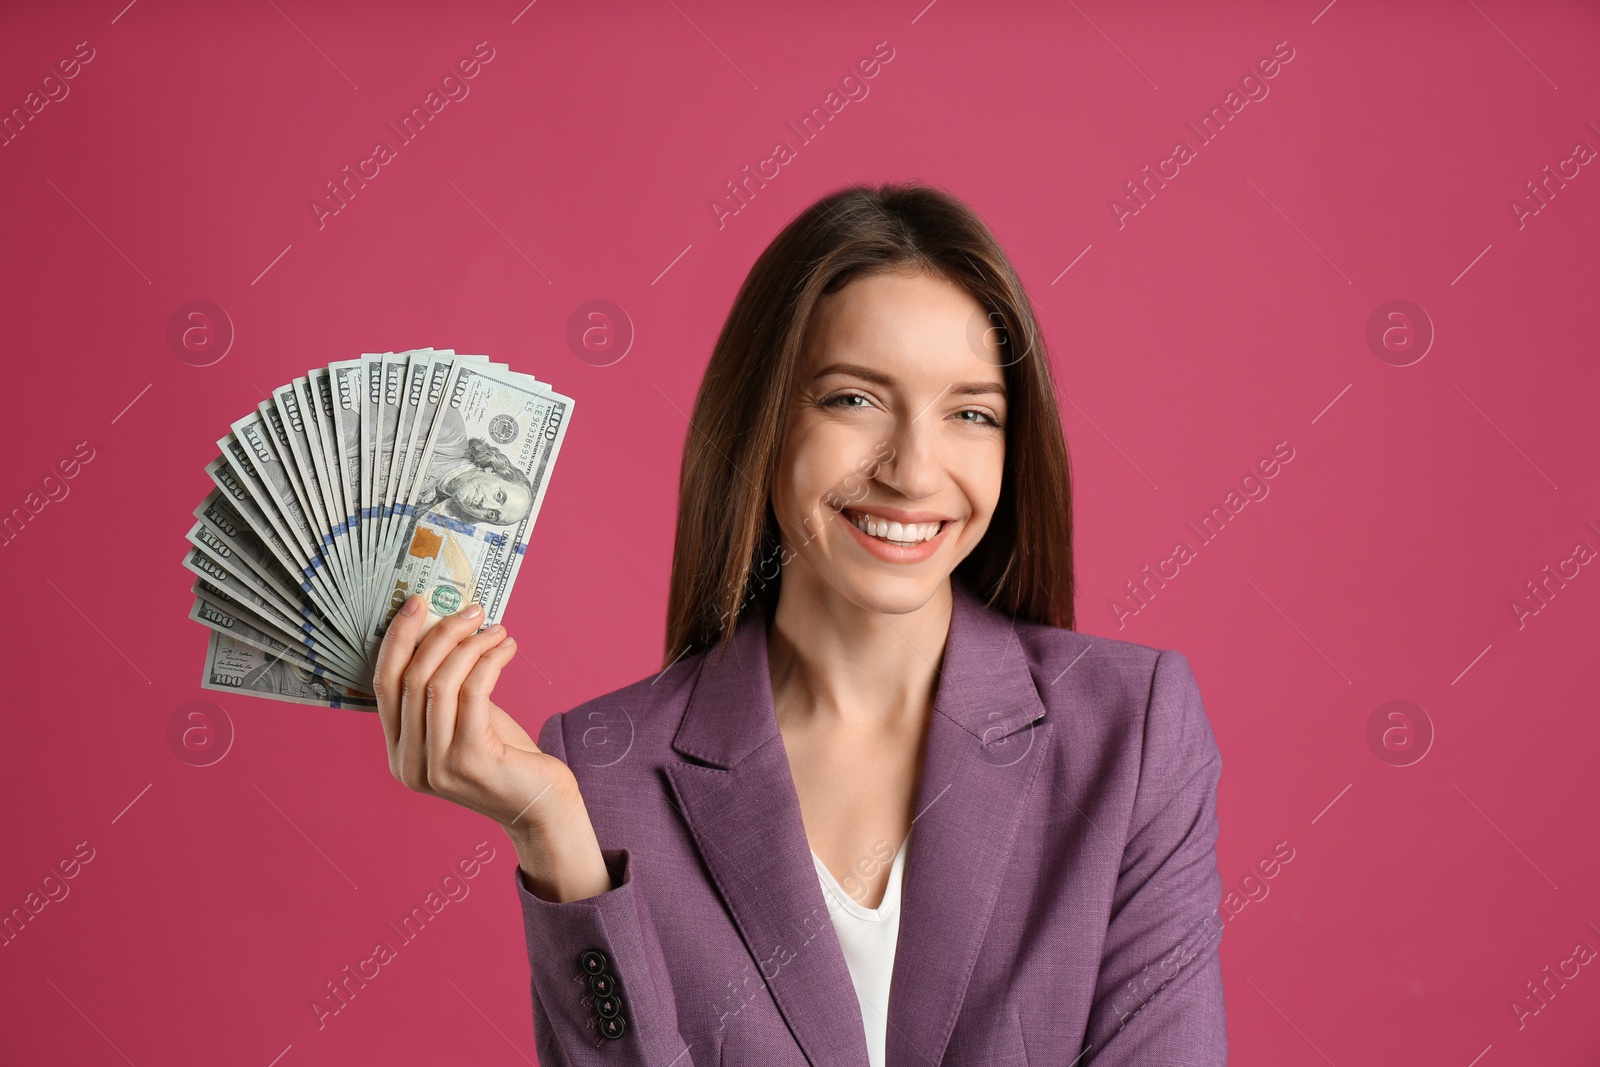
(880, 589)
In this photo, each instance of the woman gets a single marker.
(869, 628)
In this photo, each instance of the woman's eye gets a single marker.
(836, 401)
(984, 418)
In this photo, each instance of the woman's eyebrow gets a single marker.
(888, 381)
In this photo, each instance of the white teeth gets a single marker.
(905, 533)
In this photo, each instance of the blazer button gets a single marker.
(613, 1028)
(602, 984)
(607, 1007)
(593, 962)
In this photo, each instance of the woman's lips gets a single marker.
(888, 551)
(900, 515)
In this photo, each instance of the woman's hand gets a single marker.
(446, 737)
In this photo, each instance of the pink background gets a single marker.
(1228, 315)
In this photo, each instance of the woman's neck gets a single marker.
(835, 663)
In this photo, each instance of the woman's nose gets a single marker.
(916, 469)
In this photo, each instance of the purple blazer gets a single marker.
(1059, 898)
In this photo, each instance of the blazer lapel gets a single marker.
(983, 753)
(743, 813)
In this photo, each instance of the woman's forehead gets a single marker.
(903, 325)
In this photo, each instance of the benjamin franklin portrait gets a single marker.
(470, 479)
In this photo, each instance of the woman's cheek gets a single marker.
(983, 471)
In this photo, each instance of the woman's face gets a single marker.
(895, 425)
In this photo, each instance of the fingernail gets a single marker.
(507, 643)
(410, 606)
(472, 610)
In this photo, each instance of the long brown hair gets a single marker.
(727, 532)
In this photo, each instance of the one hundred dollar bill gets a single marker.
(217, 618)
(232, 666)
(477, 492)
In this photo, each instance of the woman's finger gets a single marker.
(436, 644)
(472, 713)
(399, 642)
(443, 687)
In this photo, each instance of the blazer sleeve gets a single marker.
(1158, 998)
(601, 991)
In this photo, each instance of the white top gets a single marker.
(868, 937)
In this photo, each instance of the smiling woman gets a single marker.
(891, 317)
(877, 417)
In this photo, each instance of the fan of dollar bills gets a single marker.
(349, 490)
